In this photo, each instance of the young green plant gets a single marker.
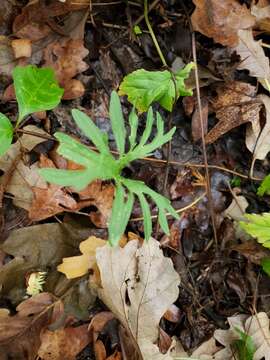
(102, 165)
(36, 90)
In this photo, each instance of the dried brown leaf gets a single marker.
(63, 343)
(221, 20)
(66, 56)
(235, 104)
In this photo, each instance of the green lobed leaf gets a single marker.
(87, 126)
(163, 204)
(258, 226)
(118, 124)
(144, 87)
(244, 346)
(133, 124)
(147, 221)
(102, 165)
(121, 211)
(265, 263)
(6, 133)
(264, 187)
(36, 90)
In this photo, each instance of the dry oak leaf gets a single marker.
(256, 326)
(76, 266)
(51, 200)
(221, 20)
(63, 344)
(19, 334)
(262, 145)
(261, 11)
(252, 57)
(138, 285)
(100, 195)
(234, 105)
(66, 56)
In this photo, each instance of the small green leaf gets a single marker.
(36, 90)
(144, 87)
(121, 211)
(258, 226)
(137, 30)
(265, 263)
(6, 133)
(148, 127)
(133, 123)
(244, 346)
(264, 187)
(78, 179)
(87, 126)
(118, 124)
(147, 221)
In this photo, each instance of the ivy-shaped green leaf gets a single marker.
(145, 87)
(36, 90)
(6, 133)
(258, 226)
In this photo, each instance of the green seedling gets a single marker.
(244, 346)
(102, 165)
(145, 87)
(36, 90)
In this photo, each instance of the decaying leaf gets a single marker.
(101, 195)
(66, 58)
(141, 287)
(221, 20)
(51, 200)
(235, 104)
(22, 177)
(19, 334)
(63, 343)
(77, 266)
(256, 326)
(252, 57)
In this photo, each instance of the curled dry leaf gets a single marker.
(141, 287)
(76, 266)
(66, 56)
(256, 326)
(252, 57)
(262, 145)
(221, 20)
(235, 104)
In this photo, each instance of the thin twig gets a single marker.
(207, 174)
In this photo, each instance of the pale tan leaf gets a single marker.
(263, 144)
(237, 208)
(139, 285)
(256, 326)
(252, 56)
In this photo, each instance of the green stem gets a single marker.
(153, 34)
